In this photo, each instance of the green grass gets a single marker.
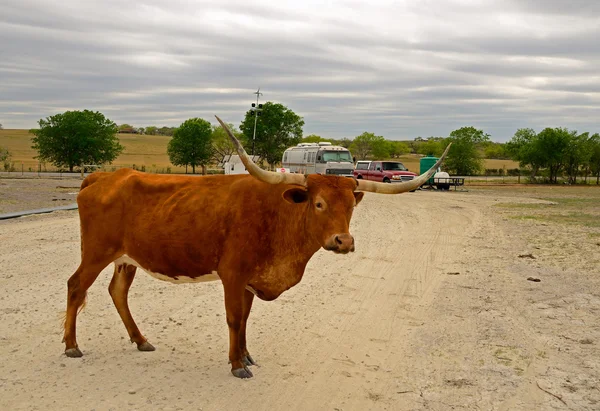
(524, 205)
(572, 205)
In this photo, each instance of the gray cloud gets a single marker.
(398, 69)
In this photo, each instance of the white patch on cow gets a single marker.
(252, 290)
(125, 259)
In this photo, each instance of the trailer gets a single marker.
(318, 158)
(441, 180)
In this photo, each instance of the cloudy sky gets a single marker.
(400, 69)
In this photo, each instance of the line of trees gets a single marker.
(557, 152)
(76, 138)
(150, 130)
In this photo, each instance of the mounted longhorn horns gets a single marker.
(299, 179)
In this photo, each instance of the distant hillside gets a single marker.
(151, 152)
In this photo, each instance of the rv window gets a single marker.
(305, 155)
(285, 157)
(339, 156)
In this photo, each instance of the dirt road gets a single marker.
(432, 312)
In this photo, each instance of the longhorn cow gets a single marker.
(255, 233)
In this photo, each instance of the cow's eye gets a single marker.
(319, 205)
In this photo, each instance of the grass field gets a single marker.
(151, 152)
(561, 204)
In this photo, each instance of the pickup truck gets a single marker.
(383, 171)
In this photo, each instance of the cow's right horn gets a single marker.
(257, 172)
(397, 188)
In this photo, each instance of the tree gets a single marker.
(577, 154)
(494, 150)
(345, 142)
(166, 131)
(277, 128)
(313, 138)
(370, 145)
(464, 157)
(222, 145)
(595, 156)
(125, 128)
(1, 126)
(433, 146)
(552, 144)
(5, 158)
(398, 148)
(151, 130)
(522, 148)
(191, 144)
(75, 138)
(361, 145)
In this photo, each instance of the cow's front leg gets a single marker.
(234, 305)
(246, 357)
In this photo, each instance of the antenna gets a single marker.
(257, 109)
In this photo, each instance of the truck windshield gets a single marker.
(339, 156)
(394, 166)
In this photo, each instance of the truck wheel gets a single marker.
(386, 180)
(359, 177)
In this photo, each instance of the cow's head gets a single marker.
(330, 199)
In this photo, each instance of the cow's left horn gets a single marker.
(397, 188)
(257, 172)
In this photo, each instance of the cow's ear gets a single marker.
(295, 195)
(358, 196)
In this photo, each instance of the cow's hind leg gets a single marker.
(77, 287)
(119, 289)
(246, 357)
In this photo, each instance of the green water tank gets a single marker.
(425, 164)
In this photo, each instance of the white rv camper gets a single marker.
(232, 164)
(318, 158)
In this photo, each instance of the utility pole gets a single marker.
(257, 108)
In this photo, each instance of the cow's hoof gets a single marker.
(242, 373)
(146, 346)
(73, 352)
(248, 360)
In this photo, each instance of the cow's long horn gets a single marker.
(397, 188)
(257, 172)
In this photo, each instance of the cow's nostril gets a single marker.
(337, 240)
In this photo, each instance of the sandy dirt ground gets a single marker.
(19, 194)
(432, 312)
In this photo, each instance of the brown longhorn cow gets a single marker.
(255, 233)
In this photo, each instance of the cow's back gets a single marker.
(169, 224)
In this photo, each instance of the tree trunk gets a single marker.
(203, 170)
(186, 168)
(534, 171)
(70, 168)
(193, 168)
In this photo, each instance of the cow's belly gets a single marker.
(180, 279)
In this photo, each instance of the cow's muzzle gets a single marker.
(340, 243)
